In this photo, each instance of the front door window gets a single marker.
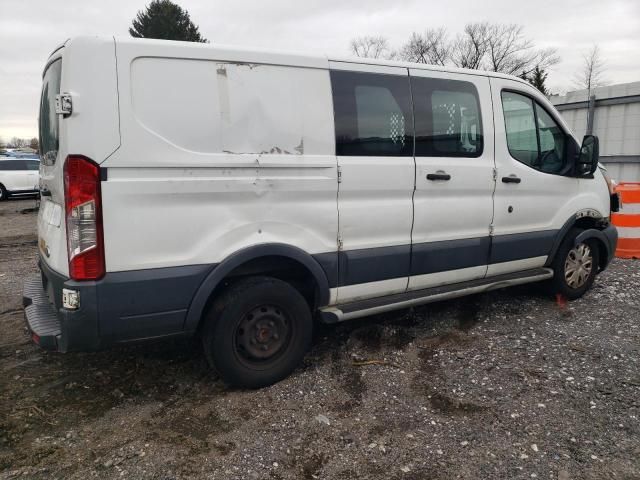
(533, 136)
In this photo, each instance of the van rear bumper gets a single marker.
(122, 307)
(56, 328)
(42, 321)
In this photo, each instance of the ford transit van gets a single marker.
(241, 195)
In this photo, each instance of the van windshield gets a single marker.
(48, 117)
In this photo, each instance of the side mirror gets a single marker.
(587, 159)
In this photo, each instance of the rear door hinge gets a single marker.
(340, 244)
(490, 230)
(339, 174)
(64, 104)
(495, 174)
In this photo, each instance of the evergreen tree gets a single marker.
(165, 20)
(537, 78)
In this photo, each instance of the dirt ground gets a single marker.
(504, 385)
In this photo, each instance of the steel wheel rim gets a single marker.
(578, 266)
(263, 334)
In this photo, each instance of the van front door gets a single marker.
(374, 148)
(453, 204)
(534, 196)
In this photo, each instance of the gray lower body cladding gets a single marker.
(121, 307)
(385, 263)
(154, 303)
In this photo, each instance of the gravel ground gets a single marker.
(503, 385)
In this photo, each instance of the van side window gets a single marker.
(373, 115)
(448, 121)
(533, 137)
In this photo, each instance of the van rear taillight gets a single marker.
(83, 213)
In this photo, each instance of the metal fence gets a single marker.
(613, 114)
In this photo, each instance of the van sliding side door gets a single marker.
(453, 205)
(374, 147)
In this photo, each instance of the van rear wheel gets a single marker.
(257, 332)
(575, 266)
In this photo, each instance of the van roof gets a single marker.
(424, 66)
(279, 57)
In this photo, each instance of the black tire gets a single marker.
(257, 332)
(3, 193)
(575, 266)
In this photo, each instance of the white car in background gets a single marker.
(18, 176)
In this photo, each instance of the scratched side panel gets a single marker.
(217, 156)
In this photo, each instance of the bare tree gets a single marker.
(470, 47)
(371, 47)
(509, 51)
(16, 142)
(432, 47)
(592, 73)
(500, 48)
(481, 46)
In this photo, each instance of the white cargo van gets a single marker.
(240, 195)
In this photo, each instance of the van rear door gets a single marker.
(374, 148)
(85, 70)
(51, 234)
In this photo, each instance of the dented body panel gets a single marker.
(221, 151)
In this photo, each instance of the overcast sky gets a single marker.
(30, 29)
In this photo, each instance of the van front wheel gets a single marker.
(257, 332)
(575, 266)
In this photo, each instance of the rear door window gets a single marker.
(49, 121)
(448, 122)
(373, 114)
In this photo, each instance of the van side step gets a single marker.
(373, 306)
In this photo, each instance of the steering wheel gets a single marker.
(551, 157)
